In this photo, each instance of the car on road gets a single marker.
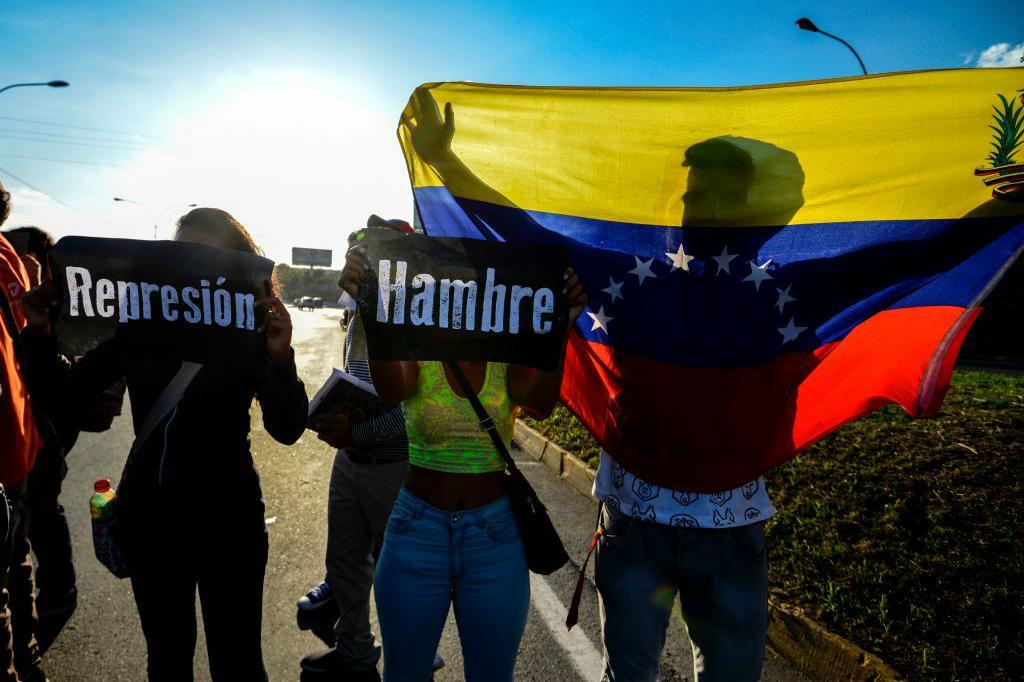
(306, 303)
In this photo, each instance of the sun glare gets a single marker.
(294, 159)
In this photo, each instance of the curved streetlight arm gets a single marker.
(164, 210)
(155, 216)
(52, 84)
(808, 25)
(859, 60)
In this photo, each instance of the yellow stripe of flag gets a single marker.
(887, 147)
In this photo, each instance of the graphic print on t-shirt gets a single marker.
(625, 493)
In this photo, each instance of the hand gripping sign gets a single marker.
(439, 298)
(173, 299)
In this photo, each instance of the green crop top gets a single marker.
(444, 432)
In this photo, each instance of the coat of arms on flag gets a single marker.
(763, 264)
(1005, 173)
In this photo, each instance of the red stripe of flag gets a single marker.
(704, 429)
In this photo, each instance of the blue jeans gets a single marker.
(432, 559)
(721, 578)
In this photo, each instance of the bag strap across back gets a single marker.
(169, 398)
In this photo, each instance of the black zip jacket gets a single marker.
(200, 452)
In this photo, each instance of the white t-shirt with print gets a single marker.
(627, 494)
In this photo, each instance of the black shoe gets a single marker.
(316, 598)
(329, 662)
(321, 623)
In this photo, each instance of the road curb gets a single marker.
(820, 654)
(807, 645)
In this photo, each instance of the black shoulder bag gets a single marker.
(545, 553)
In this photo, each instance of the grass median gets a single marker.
(903, 536)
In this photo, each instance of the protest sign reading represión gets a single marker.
(173, 299)
(438, 298)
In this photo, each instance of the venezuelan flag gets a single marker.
(764, 264)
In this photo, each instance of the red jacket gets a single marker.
(19, 439)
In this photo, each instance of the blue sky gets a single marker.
(283, 113)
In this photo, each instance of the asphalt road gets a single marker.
(103, 640)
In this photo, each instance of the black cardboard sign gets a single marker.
(441, 298)
(165, 298)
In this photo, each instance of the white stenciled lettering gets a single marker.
(205, 284)
(543, 303)
(494, 305)
(127, 301)
(105, 297)
(79, 285)
(189, 295)
(222, 307)
(132, 301)
(147, 291)
(458, 302)
(385, 287)
(504, 306)
(244, 316)
(518, 294)
(169, 297)
(422, 305)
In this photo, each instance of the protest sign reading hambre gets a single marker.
(436, 298)
(174, 299)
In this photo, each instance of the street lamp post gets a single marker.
(49, 84)
(808, 25)
(155, 216)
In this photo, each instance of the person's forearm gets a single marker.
(457, 176)
(389, 380)
(538, 390)
(546, 387)
(380, 429)
(282, 398)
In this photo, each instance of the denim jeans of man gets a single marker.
(433, 559)
(720, 576)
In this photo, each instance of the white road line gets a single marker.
(585, 658)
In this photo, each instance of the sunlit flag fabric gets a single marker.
(764, 264)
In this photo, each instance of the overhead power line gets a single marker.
(44, 158)
(37, 189)
(68, 142)
(75, 127)
(78, 137)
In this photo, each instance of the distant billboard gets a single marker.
(321, 257)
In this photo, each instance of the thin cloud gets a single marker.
(1001, 54)
(28, 198)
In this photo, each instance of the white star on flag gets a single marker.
(790, 331)
(784, 297)
(614, 289)
(758, 273)
(642, 269)
(600, 320)
(679, 259)
(723, 261)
